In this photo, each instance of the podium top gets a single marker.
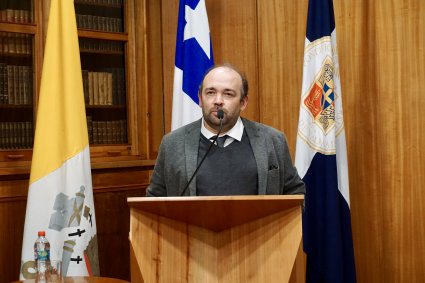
(216, 213)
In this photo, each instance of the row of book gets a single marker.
(100, 88)
(16, 135)
(20, 135)
(16, 84)
(15, 43)
(107, 132)
(108, 24)
(104, 88)
(96, 45)
(100, 2)
(16, 16)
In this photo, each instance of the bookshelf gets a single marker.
(19, 42)
(112, 61)
(103, 62)
(125, 121)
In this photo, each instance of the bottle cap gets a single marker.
(41, 233)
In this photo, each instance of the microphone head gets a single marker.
(220, 114)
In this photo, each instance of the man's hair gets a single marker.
(244, 88)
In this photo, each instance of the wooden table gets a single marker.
(78, 279)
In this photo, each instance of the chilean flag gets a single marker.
(193, 58)
(321, 157)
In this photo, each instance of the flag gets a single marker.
(60, 194)
(321, 157)
(193, 58)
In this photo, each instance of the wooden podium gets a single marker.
(214, 239)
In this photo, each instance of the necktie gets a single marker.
(221, 141)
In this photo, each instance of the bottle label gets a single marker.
(43, 255)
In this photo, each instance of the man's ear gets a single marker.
(200, 98)
(244, 103)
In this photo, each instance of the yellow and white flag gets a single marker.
(60, 195)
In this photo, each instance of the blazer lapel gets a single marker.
(259, 147)
(191, 147)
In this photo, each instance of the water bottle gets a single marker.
(41, 255)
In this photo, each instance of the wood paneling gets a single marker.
(113, 226)
(356, 43)
(233, 26)
(12, 216)
(169, 33)
(400, 55)
(281, 29)
(381, 47)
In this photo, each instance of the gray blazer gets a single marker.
(178, 156)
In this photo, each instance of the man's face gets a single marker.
(222, 90)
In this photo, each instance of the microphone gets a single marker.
(220, 115)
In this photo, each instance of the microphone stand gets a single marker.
(220, 115)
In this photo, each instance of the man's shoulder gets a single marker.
(183, 131)
(260, 127)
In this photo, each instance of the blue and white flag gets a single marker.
(321, 157)
(193, 57)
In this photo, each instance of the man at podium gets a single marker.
(223, 153)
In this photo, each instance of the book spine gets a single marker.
(2, 80)
(91, 88)
(85, 74)
(10, 85)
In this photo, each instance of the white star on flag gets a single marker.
(194, 56)
(197, 25)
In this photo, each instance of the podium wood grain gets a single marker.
(214, 239)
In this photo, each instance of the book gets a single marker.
(91, 88)
(95, 88)
(109, 88)
(102, 87)
(2, 81)
(10, 85)
(5, 85)
(85, 74)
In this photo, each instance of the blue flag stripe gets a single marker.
(327, 236)
(320, 19)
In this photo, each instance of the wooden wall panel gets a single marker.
(381, 54)
(12, 216)
(400, 53)
(113, 226)
(169, 14)
(358, 66)
(155, 91)
(233, 26)
(281, 30)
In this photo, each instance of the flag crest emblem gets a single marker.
(319, 100)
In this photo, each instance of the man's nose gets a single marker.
(218, 98)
